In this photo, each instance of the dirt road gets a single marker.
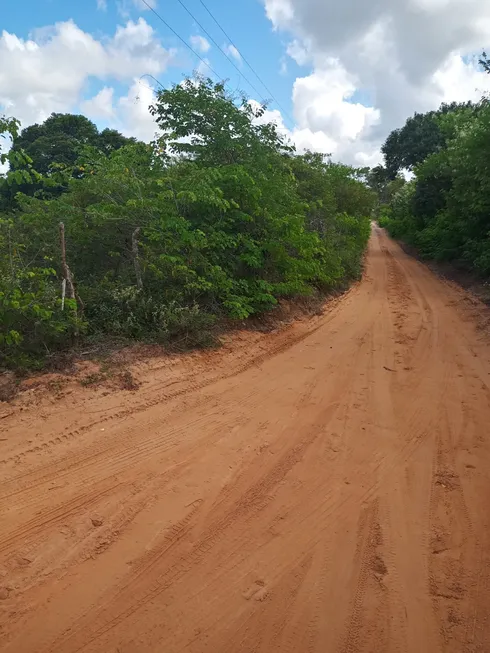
(321, 490)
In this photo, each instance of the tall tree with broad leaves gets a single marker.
(407, 147)
(203, 122)
(60, 139)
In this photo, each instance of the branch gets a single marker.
(136, 258)
(64, 265)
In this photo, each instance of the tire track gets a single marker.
(328, 500)
(189, 388)
(364, 560)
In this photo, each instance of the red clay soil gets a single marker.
(325, 489)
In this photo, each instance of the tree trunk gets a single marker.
(67, 276)
(64, 265)
(136, 258)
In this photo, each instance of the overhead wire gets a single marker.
(182, 4)
(206, 63)
(154, 78)
(245, 60)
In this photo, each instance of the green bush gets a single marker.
(133, 314)
(32, 319)
(218, 218)
(445, 210)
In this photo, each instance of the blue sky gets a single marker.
(344, 73)
(245, 22)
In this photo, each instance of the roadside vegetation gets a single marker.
(444, 210)
(103, 237)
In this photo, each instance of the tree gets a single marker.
(110, 140)
(421, 136)
(446, 212)
(484, 62)
(220, 217)
(59, 141)
(202, 121)
(377, 178)
(406, 147)
(20, 174)
(54, 149)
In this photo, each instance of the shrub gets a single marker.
(218, 218)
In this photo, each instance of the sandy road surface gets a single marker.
(326, 490)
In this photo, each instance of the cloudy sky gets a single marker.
(343, 74)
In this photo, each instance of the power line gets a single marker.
(180, 38)
(203, 60)
(219, 47)
(244, 59)
(154, 78)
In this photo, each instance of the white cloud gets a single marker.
(128, 113)
(141, 5)
(332, 113)
(49, 71)
(126, 7)
(459, 81)
(102, 5)
(133, 114)
(5, 145)
(99, 106)
(321, 103)
(297, 51)
(232, 51)
(202, 68)
(269, 115)
(405, 55)
(199, 43)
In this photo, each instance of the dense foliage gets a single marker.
(219, 217)
(52, 151)
(421, 136)
(444, 210)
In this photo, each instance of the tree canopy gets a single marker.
(60, 139)
(407, 147)
(219, 218)
(445, 209)
(42, 157)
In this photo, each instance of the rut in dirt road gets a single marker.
(326, 494)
